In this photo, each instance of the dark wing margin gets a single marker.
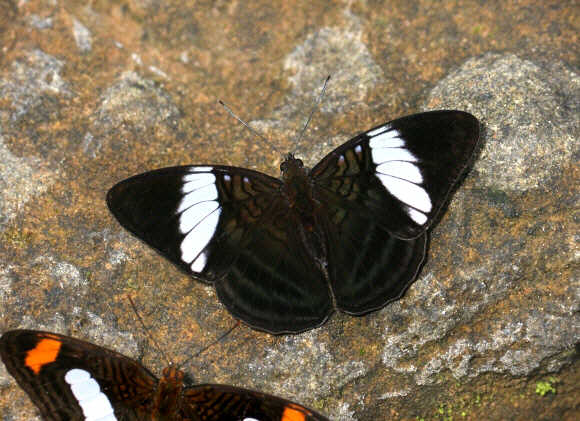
(39, 361)
(401, 172)
(228, 226)
(229, 403)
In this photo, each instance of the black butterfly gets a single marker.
(349, 234)
(73, 380)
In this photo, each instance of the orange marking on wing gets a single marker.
(291, 414)
(44, 353)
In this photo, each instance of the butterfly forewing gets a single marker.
(199, 217)
(50, 369)
(401, 172)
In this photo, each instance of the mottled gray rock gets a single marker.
(20, 180)
(36, 73)
(82, 36)
(132, 103)
(339, 53)
(531, 114)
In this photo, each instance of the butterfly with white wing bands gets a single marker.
(282, 254)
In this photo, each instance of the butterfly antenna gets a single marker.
(253, 131)
(205, 348)
(159, 349)
(312, 113)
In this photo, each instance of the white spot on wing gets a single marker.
(392, 154)
(199, 237)
(200, 169)
(409, 193)
(199, 215)
(405, 170)
(378, 130)
(388, 139)
(418, 217)
(195, 181)
(86, 390)
(358, 149)
(96, 407)
(76, 376)
(199, 263)
(191, 217)
(203, 194)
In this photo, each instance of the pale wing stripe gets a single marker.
(405, 170)
(200, 169)
(202, 194)
(97, 407)
(409, 193)
(199, 237)
(392, 154)
(387, 139)
(76, 376)
(418, 217)
(200, 180)
(85, 389)
(195, 214)
(94, 403)
(373, 133)
(199, 263)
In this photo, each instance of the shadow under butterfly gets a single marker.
(349, 234)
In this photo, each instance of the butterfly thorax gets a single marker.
(300, 197)
(168, 394)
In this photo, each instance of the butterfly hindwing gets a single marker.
(228, 403)
(363, 256)
(66, 378)
(400, 173)
(275, 285)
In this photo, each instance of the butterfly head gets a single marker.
(291, 166)
(173, 372)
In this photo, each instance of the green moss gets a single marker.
(18, 238)
(130, 285)
(543, 388)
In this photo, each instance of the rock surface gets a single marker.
(91, 93)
